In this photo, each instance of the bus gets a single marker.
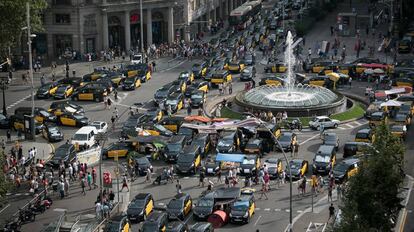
(241, 17)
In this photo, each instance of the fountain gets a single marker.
(296, 99)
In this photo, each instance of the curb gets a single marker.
(402, 215)
(52, 151)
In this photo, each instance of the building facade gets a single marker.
(89, 26)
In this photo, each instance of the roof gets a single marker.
(350, 160)
(86, 129)
(325, 149)
(365, 130)
(180, 196)
(142, 195)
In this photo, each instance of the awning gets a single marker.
(238, 158)
(395, 91)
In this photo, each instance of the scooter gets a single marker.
(294, 124)
(27, 216)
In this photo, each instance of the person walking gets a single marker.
(263, 192)
(331, 211)
(124, 183)
(109, 103)
(94, 175)
(219, 176)
(230, 86)
(189, 110)
(350, 82)
(330, 194)
(339, 191)
(201, 181)
(178, 187)
(89, 179)
(153, 66)
(61, 188)
(66, 187)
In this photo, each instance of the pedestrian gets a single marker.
(153, 66)
(113, 122)
(329, 193)
(89, 179)
(263, 192)
(230, 86)
(109, 103)
(178, 187)
(332, 30)
(148, 175)
(98, 210)
(8, 135)
(189, 110)
(350, 82)
(309, 53)
(303, 187)
(201, 181)
(66, 187)
(94, 175)
(116, 113)
(331, 211)
(124, 183)
(221, 89)
(339, 191)
(169, 110)
(61, 188)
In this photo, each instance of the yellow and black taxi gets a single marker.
(298, 167)
(250, 165)
(118, 224)
(402, 118)
(156, 222)
(229, 142)
(319, 66)
(17, 123)
(271, 79)
(172, 123)
(399, 131)
(76, 120)
(365, 135)
(288, 141)
(163, 93)
(175, 101)
(345, 169)
(76, 82)
(189, 160)
(41, 115)
(154, 114)
(202, 140)
(404, 81)
(202, 227)
(236, 66)
(254, 146)
(242, 210)
(140, 70)
(330, 138)
(153, 129)
(116, 78)
(211, 166)
(47, 90)
(176, 226)
(180, 206)
(267, 132)
(355, 148)
(118, 149)
(198, 98)
(317, 81)
(199, 70)
(275, 68)
(274, 167)
(63, 91)
(179, 86)
(197, 85)
(131, 83)
(52, 133)
(377, 118)
(60, 107)
(140, 207)
(186, 76)
(220, 77)
(174, 147)
(90, 93)
(324, 160)
(407, 108)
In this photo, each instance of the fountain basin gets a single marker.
(296, 100)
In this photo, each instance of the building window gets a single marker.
(63, 45)
(62, 18)
(62, 2)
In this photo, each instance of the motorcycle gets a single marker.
(27, 216)
(294, 124)
(13, 226)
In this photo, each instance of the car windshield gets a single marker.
(161, 93)
(44, 113)
(341, 167)
(397, 128)
(246, 71)
(61, 89)
(248, 161)
(241, 205)
(271, 161)
(205, 203)
(137, 203)
(322, 158)
(60, 152)
(196, 96)
(362, 135)
(97, 125)
(295, 164)
(129, 80)
(171, 102)
(2, 117)
(112, 226)
(225, 142)
(175, 204)
(330, 138)
(142, 161)
(285, 138)
(45, 87)
(80, 137)
(78, 116)
(53, 129)
(70, 109)
(174, 147)
(160, 128)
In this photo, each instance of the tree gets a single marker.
(13, 19)
(371, 201)
(4, 183)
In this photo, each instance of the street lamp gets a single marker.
(287, 165)
(142, 27)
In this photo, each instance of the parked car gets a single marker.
(324, 121)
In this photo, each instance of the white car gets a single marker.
(101, 127)
(136, 59)
(325, 121)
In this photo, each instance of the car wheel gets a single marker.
(97, 99)
(335, 125)
(317, 128)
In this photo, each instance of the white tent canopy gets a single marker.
(395, 91)
(391, 103)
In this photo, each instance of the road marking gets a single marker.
(278, 210)
(287, 210)
(19, 101)
(258, 209)
(27, 194)
(5, 207)
(358, 123)
(161, 204)
(59, 210)
(257, 220)
(341, 128)
(307, 140)
(267, 209)
(8, 194)
(18, 194)
(299, 211)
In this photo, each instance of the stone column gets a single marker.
(230, 5)
(170, 25)
(127, 30)
(149, 27)
(224, 9)
(214, 18)
(105, 34)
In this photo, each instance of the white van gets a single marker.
(85, 136)
(137, 59)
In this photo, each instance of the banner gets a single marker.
(90, 156)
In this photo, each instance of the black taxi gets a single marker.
(156, 222)
(117, 224)
(90, 93)
(220, 77)
(186, 76)
(203, 140)
(199, 70)
(189, 160)
(131, 83)
(61, 107)
(76, 120)
(242, 210)
(271, 79)
(180, 206)
(235, 66)
(175, 102)
(47, 90)
(140, 207)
